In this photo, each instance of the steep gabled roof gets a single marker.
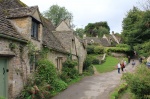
(65, 38)
(105, 42)
(48, 37)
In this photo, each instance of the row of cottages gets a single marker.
(107, 40)
(23, 29)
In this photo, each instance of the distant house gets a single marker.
(106, 41)
(21, 29)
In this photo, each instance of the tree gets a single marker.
(98, 28)
(56, 14)
(79, 32)
(131, 30)
(102, 31)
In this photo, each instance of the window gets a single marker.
(32, 62)
(59, 63)
(34, 30)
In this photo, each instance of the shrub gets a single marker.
(44, 82)
(95, 61)
(139, 83)
(90, 49)
(87, 66)
(98, 50)
(69, 71)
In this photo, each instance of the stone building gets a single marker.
(71, 43)
(24, 31)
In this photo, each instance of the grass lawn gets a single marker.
(108, 65)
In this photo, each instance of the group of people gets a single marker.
(121, 66)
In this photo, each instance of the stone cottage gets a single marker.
(71, 43)
(22, 32)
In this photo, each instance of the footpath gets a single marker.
(95, 87)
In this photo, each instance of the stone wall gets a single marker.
(18, 66)
(23, 26)
(81, 53)
(118, 54)
(53, 56)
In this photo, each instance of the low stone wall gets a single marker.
(118, 54)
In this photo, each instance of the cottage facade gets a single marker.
(23, 31)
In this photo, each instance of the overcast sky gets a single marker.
(91, 11)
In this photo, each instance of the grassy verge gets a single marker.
(118, 91)
(122, 92)
(108, 65)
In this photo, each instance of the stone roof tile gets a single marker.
(49, 38)
(21, 12)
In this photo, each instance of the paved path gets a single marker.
(94, 87)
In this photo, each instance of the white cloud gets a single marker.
(90, 11)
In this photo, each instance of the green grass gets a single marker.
(108, 65)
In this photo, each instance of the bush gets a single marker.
(98, 50)
(44, 82)
(87, 66)
(139, 83)
(90, 49)
(95, 61)
(69, 72)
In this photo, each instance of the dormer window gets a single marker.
(34, 30)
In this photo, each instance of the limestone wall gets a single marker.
(18, 65)
(81, 52)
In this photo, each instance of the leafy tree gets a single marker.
(79, 32)
(98, 28)
(130, 24)
(56, 14)
(102, 31)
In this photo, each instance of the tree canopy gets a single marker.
(98, 28)
(136, 30)
(56, 14)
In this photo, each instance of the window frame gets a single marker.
(35, 29)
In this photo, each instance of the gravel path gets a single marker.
(94, 87)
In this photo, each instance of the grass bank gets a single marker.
(108, 65)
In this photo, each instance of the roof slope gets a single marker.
(6, 28)
(48, 37)
(21, 12)
(105, 42)
(95, 39)
(65, 38)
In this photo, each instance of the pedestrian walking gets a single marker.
(122, 65)
(118, 66)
